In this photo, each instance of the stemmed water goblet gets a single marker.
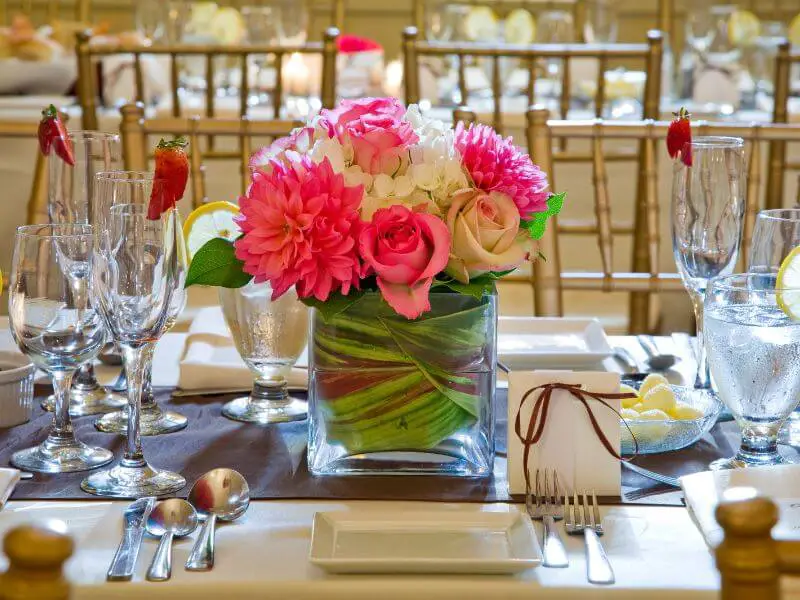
(270, 336)
(753, 351)
(70, 200)
(708, 203)
(53, 322)
(140, 264)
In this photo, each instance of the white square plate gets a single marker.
(424, 542)
(551, 342)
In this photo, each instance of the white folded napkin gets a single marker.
(119, 84)
(704, 491)
(211, 362)
(8, 481)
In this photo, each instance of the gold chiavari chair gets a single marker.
(53, 9)
(649, 54)
(36, 556)
(36, 211)
(777, 152)
(549, 279)
(135, 131)
(88, 86)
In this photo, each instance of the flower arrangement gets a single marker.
(373, 196)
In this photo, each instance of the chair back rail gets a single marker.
(786, 57)
(88, 52)
(648, 54)
(136, 130)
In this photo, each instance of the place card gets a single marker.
(569, 442)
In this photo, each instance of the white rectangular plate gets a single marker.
(424, 542)
(551, 342)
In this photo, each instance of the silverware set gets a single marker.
(219, 495)
(582, 517)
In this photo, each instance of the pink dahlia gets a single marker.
(496, 165)
(300, 224)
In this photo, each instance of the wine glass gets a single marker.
(150, 19)
(293, 20)
(602, 22)
(708, 202)
(754, 354)
(139, 267)
(70, 193)
(263, 27)
(53, 322)
(270, 335)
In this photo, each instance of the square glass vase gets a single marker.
(392, 396)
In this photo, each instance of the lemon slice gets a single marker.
(481, 24)
(228, 26)
(209, 221)
(743, 28)
(788, 285)
(520, 27)
(794, 31)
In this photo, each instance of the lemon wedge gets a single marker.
(743, 28)
(520, 27)
(787, 293)
(212, 220)
(794, 31)
(481, 24)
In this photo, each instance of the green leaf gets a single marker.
(335, 304)
(500, 274)
(477, 288)
(216, 264)
(538, 223)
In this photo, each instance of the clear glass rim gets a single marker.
(779, 214)
(56, 230)
(122, 176)
(93, 135)
(739, 283)
(717, 141)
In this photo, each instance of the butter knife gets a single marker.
(124, 561)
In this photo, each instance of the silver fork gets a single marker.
(548, 511)
(586, 520)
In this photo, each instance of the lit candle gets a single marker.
(295, 75)
(393, 79)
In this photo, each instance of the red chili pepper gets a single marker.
(53, 136)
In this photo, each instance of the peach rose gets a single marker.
(485, 232)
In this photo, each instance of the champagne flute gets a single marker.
(140, 264)
(708, 202)
(70, 199)
(53, 322)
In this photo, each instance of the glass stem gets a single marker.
(84, 378)
(703, 379)
(148, 401)
(62, 424)
(134, 369)
(270, 394)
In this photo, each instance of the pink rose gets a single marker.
(352, 110)
(485, 232)
(299, 141)
(406, 250)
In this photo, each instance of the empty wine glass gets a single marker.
(53, 322)
(708, 202)
(150, 17)
(139, 266)
(70, 193)
(602, 22)
(294, 20)
(270, 335)
(754, 354)
(263, 27)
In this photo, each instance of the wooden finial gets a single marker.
(747, 558)
(36, 556)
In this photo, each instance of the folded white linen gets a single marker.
(704, 491)
(211, 362)
(8, 481)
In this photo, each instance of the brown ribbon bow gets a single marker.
(540, 411)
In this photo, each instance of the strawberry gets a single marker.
(169, 181)
(679, 137)
(53, 136)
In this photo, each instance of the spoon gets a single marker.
(655, 359)
(219, 494)
(170, 518)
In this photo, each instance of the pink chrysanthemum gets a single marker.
(300, 224)
(495, 164)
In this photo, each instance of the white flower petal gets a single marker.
(382, 185)
(403, 186)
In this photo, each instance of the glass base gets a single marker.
(265, 412)
(61, 455)
(92, 401)
(154, 421)
(402, 463)
(135, 481)
(745, 462)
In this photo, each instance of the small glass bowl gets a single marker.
(16, 389)
(666, 435)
